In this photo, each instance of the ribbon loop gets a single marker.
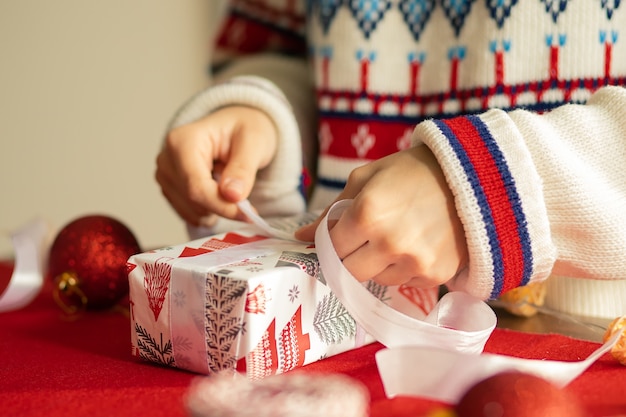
(459, 321)
(438, 357)
(28, 275)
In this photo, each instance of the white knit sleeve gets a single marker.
(537, 194)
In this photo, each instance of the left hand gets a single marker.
(402, 226)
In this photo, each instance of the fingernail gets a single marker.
(234, 186)
(208, 221)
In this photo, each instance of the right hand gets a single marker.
(402, 226)
(231, 144)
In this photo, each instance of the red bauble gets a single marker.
(517, 394)
(87, 261)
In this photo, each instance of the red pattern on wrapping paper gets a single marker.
(256, 299)
(422, 298)
(213, 244)
(293, 343)
(156, 283)
(230, 239)
(188, 252)
(262, 361)
(130, 267)
(134, 349)
(277, 353)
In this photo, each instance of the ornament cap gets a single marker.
(66, 290)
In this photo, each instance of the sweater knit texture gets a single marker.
(520, 101)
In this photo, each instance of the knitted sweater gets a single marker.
(515, 100)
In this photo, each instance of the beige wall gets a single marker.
(86, 89)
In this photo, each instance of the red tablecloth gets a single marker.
(52, 366)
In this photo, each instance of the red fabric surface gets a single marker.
(52, 366)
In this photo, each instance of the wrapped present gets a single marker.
(244, 301)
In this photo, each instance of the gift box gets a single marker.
(242, 300)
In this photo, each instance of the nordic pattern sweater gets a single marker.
(520, 101)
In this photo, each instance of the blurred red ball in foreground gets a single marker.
(517, 394)
(88, 258)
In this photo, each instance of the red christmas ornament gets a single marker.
(517, 394)
(87, 262)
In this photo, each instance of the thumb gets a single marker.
(307, 233)
(239, 173)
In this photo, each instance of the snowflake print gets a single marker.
(294, 293)
(404, 141)
(325, 137)
(363, 140)
(179, 299)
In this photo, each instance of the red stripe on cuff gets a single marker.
(498, 208)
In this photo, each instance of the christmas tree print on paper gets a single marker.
(292, 343)
(306, 262)
(230, 240)
(225, 300)
(156, 283)
(277, 352)
(262, 361)
(332, 322)
(214, 244)
(377, 290)
(151, 350)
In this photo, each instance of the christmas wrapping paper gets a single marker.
(244, 301)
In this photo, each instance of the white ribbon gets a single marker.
(445, 375)
(27, 278)
(458, 321)
(259, 222)
(439, 357)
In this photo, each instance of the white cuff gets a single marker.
(587, 297)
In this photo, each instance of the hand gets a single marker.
(232, 143)
(402, 227)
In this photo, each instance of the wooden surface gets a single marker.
(549, 322)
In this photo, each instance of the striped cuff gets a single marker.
(499, 199)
